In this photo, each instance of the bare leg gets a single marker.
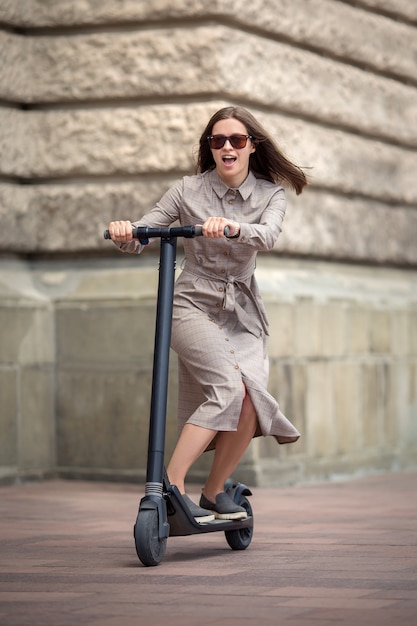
(230, 447)
(191, 444)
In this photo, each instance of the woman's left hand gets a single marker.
(214, 227)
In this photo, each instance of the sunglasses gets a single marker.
(236, 141)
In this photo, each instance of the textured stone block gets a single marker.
(321, 223)
(344, 30)
(412, 325)
(46, 218)
(15, 81)
(37, 443)
(117, 65)
(75, 12)
(101, 142)
(370, 405)
(403, 372)
(406, 9)
(357, 329)
(281, 340)
(17, 219)
(411, 412)
(9, 435)
(400, 333)
(118, 333)
(317, 88)
(103, 418)
(288, 384)
(332, 325)
(321, 432)
(340, 28)
(392, 386)
(329, 153)
(307, 330)
(134, 141)
(105, 66)
(380, 331)
(346, 379)
(26, 334)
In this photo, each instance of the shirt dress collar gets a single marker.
(221, 188)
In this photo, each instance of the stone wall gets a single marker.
(102, 103)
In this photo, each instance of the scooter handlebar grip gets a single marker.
(196, 231)
(106, 233)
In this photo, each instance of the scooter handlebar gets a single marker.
(146, 232)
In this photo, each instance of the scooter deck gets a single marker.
(182, 523)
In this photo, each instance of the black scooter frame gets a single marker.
(162, 510)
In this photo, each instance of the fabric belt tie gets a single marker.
(252, 323)
(230, 304)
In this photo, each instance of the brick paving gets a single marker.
(324, 554)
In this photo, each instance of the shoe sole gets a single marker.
(204, 519)
(231, 516)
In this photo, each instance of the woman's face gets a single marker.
(232, 164)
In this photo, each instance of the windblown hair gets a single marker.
(267, 161)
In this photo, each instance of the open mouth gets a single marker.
(228, 160)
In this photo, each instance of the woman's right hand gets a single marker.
(121, 230)
(214, 227)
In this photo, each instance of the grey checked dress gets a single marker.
(219, 327)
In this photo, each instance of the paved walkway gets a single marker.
(321, 555)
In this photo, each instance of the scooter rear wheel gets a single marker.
(149, 547)
(240, 539)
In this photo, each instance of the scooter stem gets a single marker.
(156, 449)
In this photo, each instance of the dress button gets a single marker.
(226, 338)
(220, 288)
(236, 367)
(232, 351)
(231, 201)
(218, 305)
(223, 271)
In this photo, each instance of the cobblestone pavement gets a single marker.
(322, 554)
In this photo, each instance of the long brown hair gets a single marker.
(267, 161)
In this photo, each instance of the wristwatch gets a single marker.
(236, 235)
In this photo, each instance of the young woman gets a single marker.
(219, 327)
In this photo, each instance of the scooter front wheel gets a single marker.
(149, 547)
(240, 539)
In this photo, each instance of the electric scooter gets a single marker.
(162, 511)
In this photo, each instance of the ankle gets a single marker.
(210, 495)
(179, 484)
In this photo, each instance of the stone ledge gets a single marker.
(402, 8)
(343, 30)
(327, 225)
(156, 139)
(46, 218)
(308, 282)
(181, 62)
